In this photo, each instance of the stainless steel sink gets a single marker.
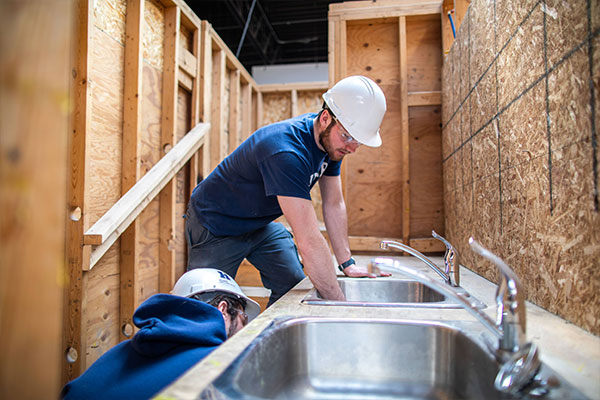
(324, 358)
(388, 292)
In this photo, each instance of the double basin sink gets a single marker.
(352, 358)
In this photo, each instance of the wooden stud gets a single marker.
(234, 109)
(246, 110)
(259, 110)
(217, 135)
(168, 139)
(132, 120)
(205, 92)
(74, 337)
(404, 130)
(195, 111)
(35, 133)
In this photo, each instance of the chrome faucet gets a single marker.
(385, 244)
(451, 259)
(520, 363)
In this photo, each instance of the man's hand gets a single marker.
(355, 271)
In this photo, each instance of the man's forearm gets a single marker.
(318, 266)
(336, 222)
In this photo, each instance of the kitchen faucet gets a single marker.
(519, 359)
(445, 275)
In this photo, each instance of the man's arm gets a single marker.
(336, 222)
(313, 247)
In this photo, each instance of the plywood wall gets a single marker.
(394, 191)
(520, 153)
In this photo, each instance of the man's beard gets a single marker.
(326, 143)
(233, 327)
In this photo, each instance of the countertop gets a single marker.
(571, 351)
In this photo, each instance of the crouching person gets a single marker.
(176, 331)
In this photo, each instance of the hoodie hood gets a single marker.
(168, 321)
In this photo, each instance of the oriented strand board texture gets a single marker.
(520, 148)
(276, 107)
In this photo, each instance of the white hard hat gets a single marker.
(359, 104)
(207, 280)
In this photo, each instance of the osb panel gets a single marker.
(485, 225)
(509, 14)
(276, 107)
(565, 27)
(378, 172)
(106, 125)
(426, 189)
(309, 101)
(483, 100)
(424, 58)
(481, 38)
(485, 153)
(154, 33)
(569, 98)
(456, 76)
(372, 50)
(464, 56)
(465, 127)
(574, 229)
(522, 61)
(551, 243)
(447, 90)
(596, 78)
(449, 175)
(595, 11)
(109, 16)
(525, 212)
(101, 309)
(523, 128)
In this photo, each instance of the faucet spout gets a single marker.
(385, 244)
(451, 259)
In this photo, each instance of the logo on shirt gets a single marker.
(314, 177)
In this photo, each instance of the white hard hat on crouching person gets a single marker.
(358, 104)
(207, 282)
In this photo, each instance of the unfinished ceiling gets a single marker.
(269, 32)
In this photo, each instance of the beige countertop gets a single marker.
(566, 348)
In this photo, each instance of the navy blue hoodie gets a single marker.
(175, 333)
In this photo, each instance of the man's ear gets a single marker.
(325, 117)
(222, 306)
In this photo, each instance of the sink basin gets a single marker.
(388, 292)
(325, 358)
(312, 358)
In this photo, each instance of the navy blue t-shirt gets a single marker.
(281, 159)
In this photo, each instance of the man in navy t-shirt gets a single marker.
(231, 212)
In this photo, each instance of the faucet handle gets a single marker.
(451, 258)
(510, 302)
(519, 370)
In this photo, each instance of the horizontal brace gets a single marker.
(433, 98)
